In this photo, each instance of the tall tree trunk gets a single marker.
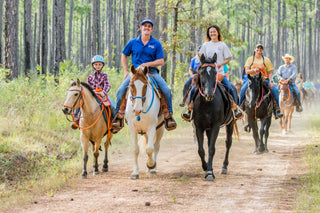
(88, 30)
(11, 29)
(315, 40)
(278, 44)
(174, 35)
(284, 29)
(163, 37)
(124, 20)
(82, 61)
(44, 37)
(303, 39)
(153, 17)
(70, 29)
(53, 38)
(310, 57)
(34, 41)
(27, 36)
(1, 20)
(192, 44)
(199, 33)
(139, 14)
(60, 53)
(297, 37)
(39, 34)
(95, 27)
(109, 34)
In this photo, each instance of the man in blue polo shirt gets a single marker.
(145, 51)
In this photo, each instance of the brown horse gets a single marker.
(238, 86)
(93, 126)
(286, 105)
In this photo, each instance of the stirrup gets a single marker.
(184, 116)
(172, 127)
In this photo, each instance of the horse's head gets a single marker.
(284, 90)
(254, 91)
(238, 86)
(74, 95)
(206, 79)
(138, 88)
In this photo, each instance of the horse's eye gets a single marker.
(76, 94)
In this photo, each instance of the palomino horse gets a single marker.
(92, 123)
(212, 109)
(286, 105)
(258, 105)
(142, 115)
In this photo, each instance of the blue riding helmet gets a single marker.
(97, 58)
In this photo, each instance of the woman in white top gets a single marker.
(214, 44)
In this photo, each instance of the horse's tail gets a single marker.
(236, 131)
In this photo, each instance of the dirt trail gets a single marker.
(255, 183)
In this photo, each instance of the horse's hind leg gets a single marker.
(266, 134)
(151, 164)
(106, 148)
(229, 132)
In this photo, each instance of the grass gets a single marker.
(39, 152)
(308, 199)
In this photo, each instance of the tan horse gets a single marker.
(287, 106)
(92, 123)
(238, 86)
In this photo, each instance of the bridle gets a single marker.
(144, 97)
(82, 97)
(216, 83)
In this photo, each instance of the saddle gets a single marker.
(228, 102)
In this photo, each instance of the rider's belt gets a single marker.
(153, 69)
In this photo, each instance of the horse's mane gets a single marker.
(89, 88)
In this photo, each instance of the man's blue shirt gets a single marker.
(194, 64)
(143, 53)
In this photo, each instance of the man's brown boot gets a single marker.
(170, 123)
(187, 116)
(118, 121)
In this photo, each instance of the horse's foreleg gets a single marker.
(229, 132)
(151, 164)
(199, 134)
(158, 136)
(212, 135)
(259, 146)
(84, 144)
(106, 148)
(96, 147)
(134, 137)
(266, 134)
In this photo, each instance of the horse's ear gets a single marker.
(133, 70)
(145, 70)
(202, 58)
(260, 75)
(78, 82)
(214, 58)
(72, 83)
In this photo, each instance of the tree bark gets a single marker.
(1, 15)
(27, 36)
(44, 37)
(70, 29)
(163, 38)
(11, 38)
(199, 33)
(297, 36)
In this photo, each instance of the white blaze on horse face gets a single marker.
(137, 107)
(208, 70)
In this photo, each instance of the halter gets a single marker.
(215, 87)
(82, 96)
(143, 97)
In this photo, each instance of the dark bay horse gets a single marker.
(259, 105)
(212, 109)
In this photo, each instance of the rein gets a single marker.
(215, 87)
(82, 96)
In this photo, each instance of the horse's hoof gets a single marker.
(95, 172)
(209, 176)
(84, 175)
(134, 176)
(152, 167)
(266, 151)
(152, 171)
(224, 171)
(104, 169)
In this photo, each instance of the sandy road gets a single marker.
(254, 183)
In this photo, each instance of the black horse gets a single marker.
(259, 105)
(212, 109)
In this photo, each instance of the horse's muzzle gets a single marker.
(66, 110)
(209, 97)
